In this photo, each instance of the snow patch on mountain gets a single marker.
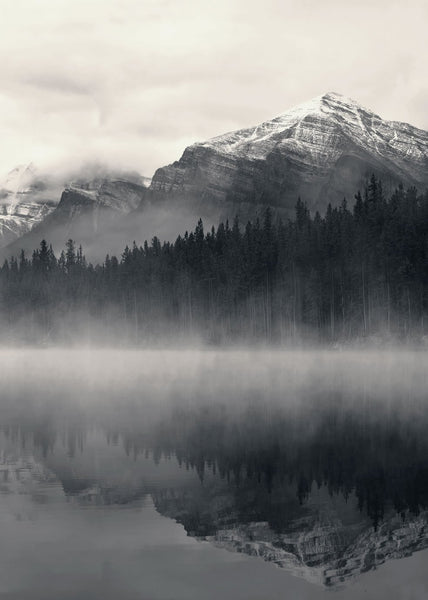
(297, 127)
(25, 199)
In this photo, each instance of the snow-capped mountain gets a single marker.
(85, 209)
(26, 198)
(19, 180)
(79, 204)
(321, 151)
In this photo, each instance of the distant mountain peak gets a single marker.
(28, 197)
(339, 98)
(331, 105)
(322, 150)
(335, 102)
(19, 178)
(324, 103)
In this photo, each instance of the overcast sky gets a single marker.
(132, 82)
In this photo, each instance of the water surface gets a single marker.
(204, 474)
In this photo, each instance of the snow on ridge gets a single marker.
(331, 104)
(302, 125)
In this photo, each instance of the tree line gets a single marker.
(352, 273)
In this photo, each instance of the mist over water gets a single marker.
(124, 465)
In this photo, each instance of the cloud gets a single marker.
(133, 82)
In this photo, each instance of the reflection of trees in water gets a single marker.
(268, 456)
(383, 460)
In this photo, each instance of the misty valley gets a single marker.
(213, 473)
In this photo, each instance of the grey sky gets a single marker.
(132, 82)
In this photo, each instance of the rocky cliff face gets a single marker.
(95, 202)
(322, 151)
(85, 210)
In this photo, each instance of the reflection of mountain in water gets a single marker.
(325, 539)
(329, 542)
(318, 487)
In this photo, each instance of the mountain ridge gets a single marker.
(321, 150)
(83, 211)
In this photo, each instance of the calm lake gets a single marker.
(202, 474)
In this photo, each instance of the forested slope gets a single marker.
(347, 275)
